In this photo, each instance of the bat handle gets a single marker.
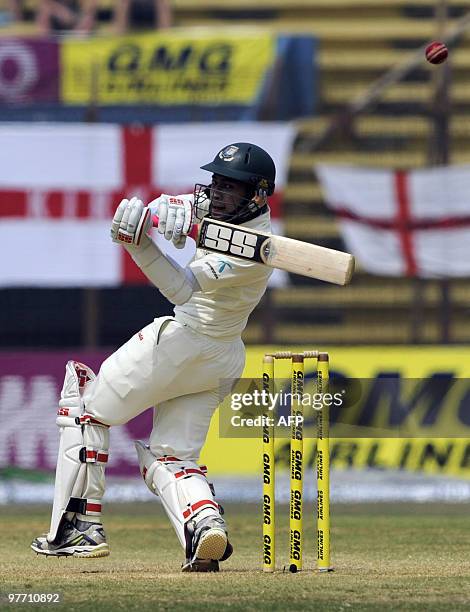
(192, 234)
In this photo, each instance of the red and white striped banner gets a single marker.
(60, 185)
(400, 223)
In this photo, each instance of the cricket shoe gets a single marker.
(75, 539)
(206, 545)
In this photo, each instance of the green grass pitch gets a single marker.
(392, 557)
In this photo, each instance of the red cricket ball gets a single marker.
(436, 52)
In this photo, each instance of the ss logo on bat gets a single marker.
(226, 240)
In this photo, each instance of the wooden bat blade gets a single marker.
(307, 259)
(280, 252)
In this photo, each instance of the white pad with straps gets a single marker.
(181, 485)
(83, 453)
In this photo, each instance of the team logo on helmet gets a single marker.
(228, 153)
(263, 184)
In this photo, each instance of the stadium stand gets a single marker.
(359, 41)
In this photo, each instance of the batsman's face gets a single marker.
(225, 195)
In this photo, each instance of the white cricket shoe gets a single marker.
(76, 539)
(206, 545)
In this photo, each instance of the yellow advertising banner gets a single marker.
(166, 68)
(419, 420)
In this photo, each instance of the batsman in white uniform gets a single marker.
(180, 364)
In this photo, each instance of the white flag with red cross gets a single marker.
(403, 223)
(60, 185)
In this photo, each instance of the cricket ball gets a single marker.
(436, 52)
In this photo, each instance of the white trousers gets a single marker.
(184, 374)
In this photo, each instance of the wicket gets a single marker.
(296, 464)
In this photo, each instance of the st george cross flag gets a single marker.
(403, 223)
(61, 183)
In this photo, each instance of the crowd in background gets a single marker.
(85, 16)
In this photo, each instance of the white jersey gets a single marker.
(231, 289)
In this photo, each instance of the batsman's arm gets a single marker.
(205, 274)
(177, 284)
(129, 228)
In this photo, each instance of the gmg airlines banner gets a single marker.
(30, 384)
(243, 74)
(60, 185)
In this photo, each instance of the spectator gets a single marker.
(141, 14)
(18, 16)
(15, 9)
(66, 15)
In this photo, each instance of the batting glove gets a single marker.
(175, 218)
(131, 222)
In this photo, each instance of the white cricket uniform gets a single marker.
(182, 365)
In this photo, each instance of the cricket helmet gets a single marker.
(248, 164)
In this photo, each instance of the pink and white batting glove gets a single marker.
(175, 217)
(131, 222)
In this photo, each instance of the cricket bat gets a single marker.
(280, 252)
